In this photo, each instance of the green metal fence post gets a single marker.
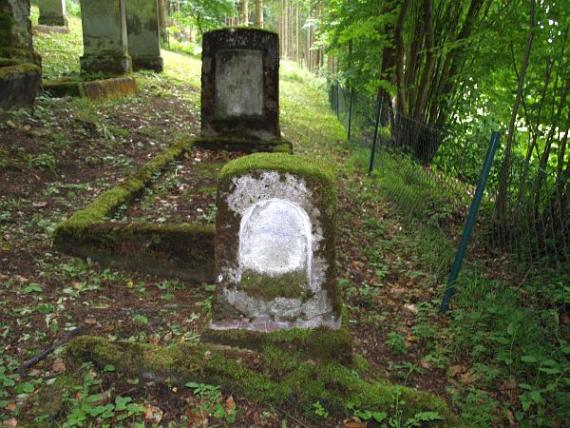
(470, 222)
(375, 139)
(351, 101)
(337, 99)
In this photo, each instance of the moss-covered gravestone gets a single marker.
(52, 13)
(240, 88)
(275, 245)
(105, 42)
(20, 72)
(144, 34)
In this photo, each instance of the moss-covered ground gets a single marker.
(493, 362)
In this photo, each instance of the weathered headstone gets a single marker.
(144, 34)
(105, 40)
(52, 13)
(275, 245)
(240, 85)
(20, 72)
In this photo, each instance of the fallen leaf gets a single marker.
(230, 405)
(90, 321)
(197, 417)
(58, 366)
(354, 422)
(153, 414)
(454, 371)
(10, 406)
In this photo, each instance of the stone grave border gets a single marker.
(339, 388)
(102, 89)
(185, 250)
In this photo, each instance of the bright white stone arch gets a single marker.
(275, 238)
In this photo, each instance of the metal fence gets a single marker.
(530, 233)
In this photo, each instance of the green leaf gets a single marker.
(379, 416)
(528, 359)
(33, 287)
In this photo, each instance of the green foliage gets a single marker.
(212, 401)
(203, 14)
(493, 325)
(397, 343)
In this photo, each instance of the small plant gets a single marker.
(212, 401)
(320, 411)
(397, 343)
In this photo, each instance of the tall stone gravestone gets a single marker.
(144, 34)
(52, 13)
(275, 245)
(20, 71)
(240, 87)
(105, 41)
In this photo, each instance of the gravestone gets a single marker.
(105, 42)
(275, 245)
(240, 85)
(144, 34)
(20, 71)
(52, 13)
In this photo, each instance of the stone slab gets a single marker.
(105, 41)
(240, 84)
(19, 85)
(275, 245)
(144, 34)
(52, 13)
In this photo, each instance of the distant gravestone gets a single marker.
(144, 34)
(20, 72)
(275, 238)
(52, 13)
(105, 42)
(240, 85)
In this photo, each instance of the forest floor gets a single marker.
(63, 153)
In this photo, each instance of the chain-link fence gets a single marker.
(526, 227)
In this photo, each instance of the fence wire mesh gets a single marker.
(531, 231)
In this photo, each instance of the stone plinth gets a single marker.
(275, 245)
(20, 71)
(144, 34)
(105, 37)
(52, 13)
(240, 85)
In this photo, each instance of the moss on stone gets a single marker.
(279, 380)
(289, 285)
(244, 144)
(315, 171)
(13, 71)
(321, 343)
(110, 200)
(186, 250)
(6, 23)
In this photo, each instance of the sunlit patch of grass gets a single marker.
(60, 51)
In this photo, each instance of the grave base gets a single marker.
(244, 145)
(154, 63)
(320, 343)
(61, 29)
(116, 87)
(111, 65)
(19, 85)
(53, 21)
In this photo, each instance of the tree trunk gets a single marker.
(259, 13)
(161, 19)
(245, 12)
(504, 175)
